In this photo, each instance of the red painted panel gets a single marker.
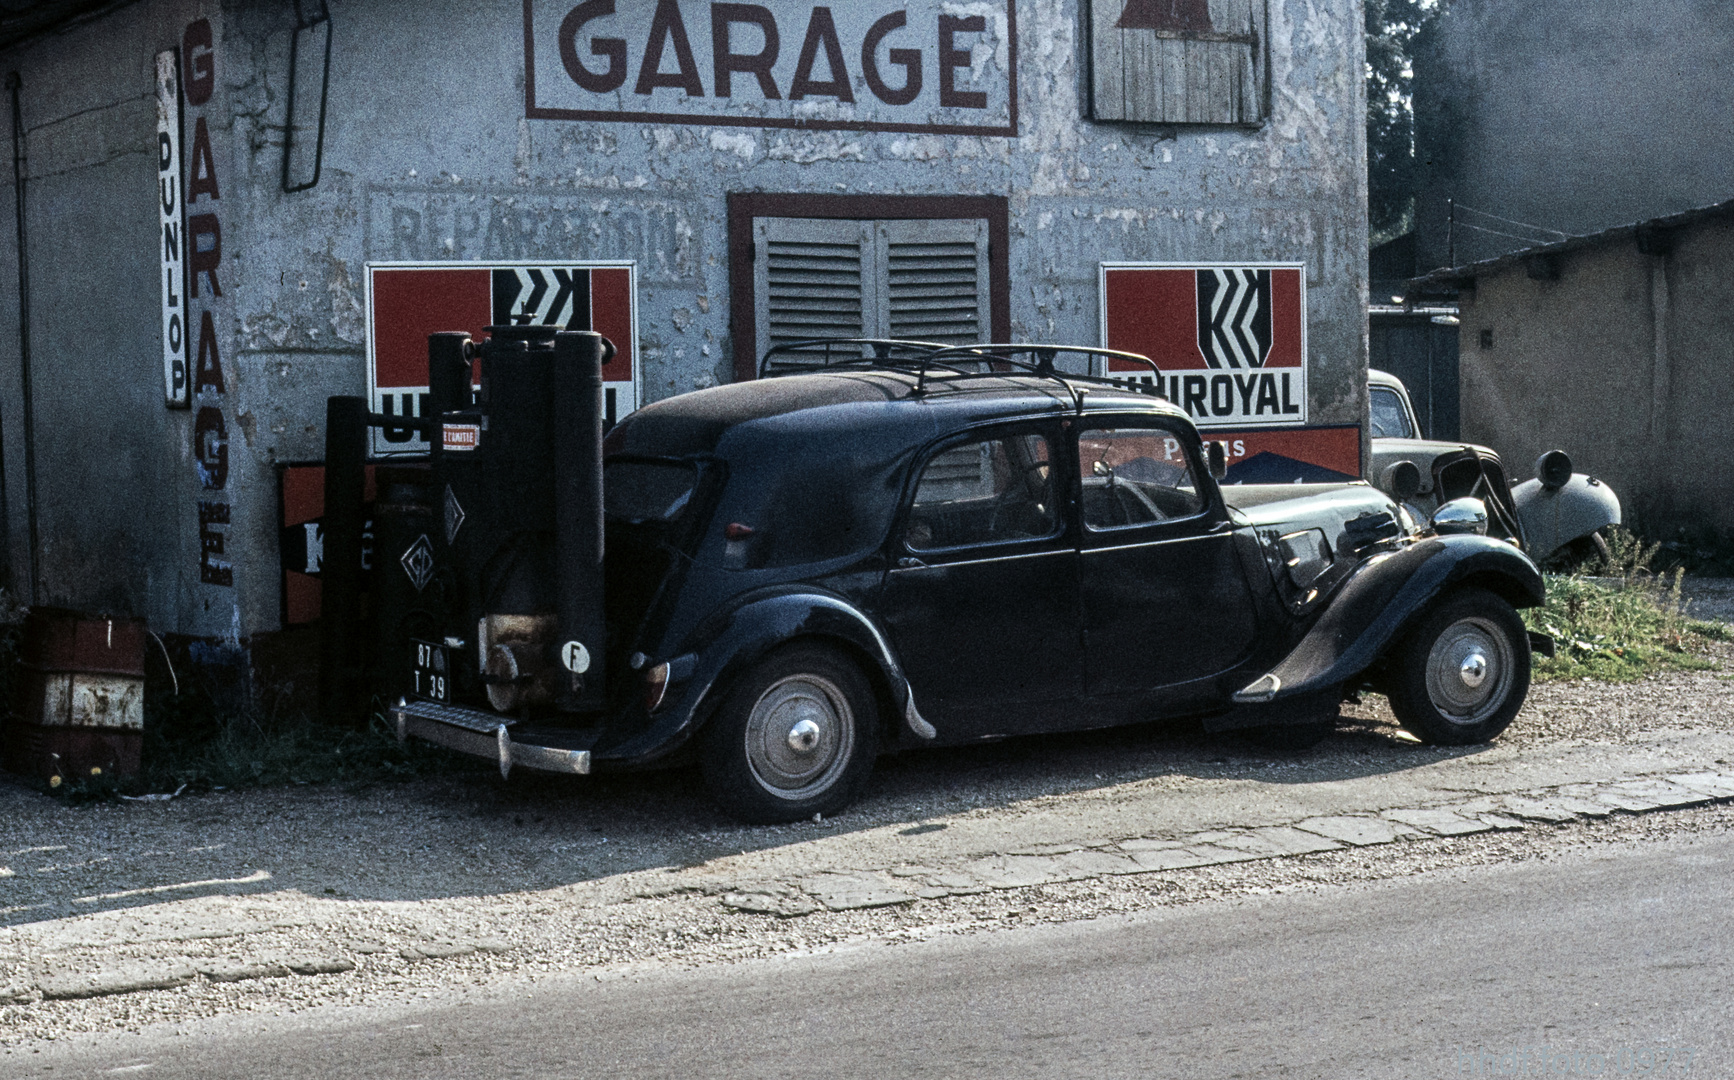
(1153, 312)
(408, 305)
(611, 316)
(1286, 319)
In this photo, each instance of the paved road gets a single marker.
(1618, 951)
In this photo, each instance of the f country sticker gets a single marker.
(1230, 339)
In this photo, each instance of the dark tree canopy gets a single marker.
(1394, 28)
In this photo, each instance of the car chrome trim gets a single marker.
(1260, 690)
(482, 734)
(993, 558)
(917, 723)
(1214, 535)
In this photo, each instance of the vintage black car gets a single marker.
(891, 545)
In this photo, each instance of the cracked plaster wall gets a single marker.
(428, 156)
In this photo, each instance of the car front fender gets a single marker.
(1575, 509)
(1383, 598)
(728, 644)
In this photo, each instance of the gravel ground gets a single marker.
(395, 891)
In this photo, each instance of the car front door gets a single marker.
(981, 599)
(1165, 603)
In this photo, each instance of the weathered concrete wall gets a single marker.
(1578, 364)
(113, 513)
(1576, 117)
(429, 156)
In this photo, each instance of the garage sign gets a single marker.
(1230, 338)
(408, 301)
(933, 66)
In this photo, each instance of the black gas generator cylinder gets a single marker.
(410, 598)
(520, 471)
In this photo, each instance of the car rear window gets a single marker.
(643, 492)
(1389, 419)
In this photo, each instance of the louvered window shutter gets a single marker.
(816, 279)
(1178, 61)
(924, 280)
(936, 286)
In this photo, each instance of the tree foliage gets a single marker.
(1394, 29)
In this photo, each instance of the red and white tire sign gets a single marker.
(408, 301)
(1231, 340)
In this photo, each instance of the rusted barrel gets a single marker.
(78, 709)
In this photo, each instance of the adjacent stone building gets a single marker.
(1617, 347)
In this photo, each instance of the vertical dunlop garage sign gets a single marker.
(168, 94)
(1231, 341)
(408, 301)
(935, 66)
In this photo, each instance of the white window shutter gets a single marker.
(815, 279)
(923, 280)
(936, 280)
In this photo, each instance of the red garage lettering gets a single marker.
(746, 41)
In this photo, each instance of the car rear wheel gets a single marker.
(1461, 675)
(795, 736)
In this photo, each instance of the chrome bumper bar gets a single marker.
(472, 731)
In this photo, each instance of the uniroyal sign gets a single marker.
(937, 67)
(408, 301)
(1230, 339)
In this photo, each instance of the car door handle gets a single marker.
(908, 563)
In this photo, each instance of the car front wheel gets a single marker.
(1461, 675)
(795, 736)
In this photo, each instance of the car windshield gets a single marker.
(1389, 419)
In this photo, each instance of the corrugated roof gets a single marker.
(1644, 233)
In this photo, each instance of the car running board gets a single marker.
(483, 734)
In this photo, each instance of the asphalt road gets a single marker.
(1620, 951)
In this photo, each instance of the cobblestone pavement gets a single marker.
(116, 916)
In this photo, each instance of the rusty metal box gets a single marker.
(79, 705)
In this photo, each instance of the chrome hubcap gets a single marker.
(1470, 670)
(800, 736)
(804, 736)
(1474, 670)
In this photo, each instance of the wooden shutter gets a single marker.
(936, 286)
(925, 280)
(815, 279)
(1178, 61)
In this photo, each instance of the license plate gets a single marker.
(432, 671)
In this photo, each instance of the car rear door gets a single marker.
(1165, 603)
(981, 600)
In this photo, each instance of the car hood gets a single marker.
(1312, 536)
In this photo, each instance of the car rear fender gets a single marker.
(1383, 598)
(731, 643)
(1554, 518)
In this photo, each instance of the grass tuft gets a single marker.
(1618, 630)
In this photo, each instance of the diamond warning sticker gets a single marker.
(418, 562)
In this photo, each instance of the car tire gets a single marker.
(1462, 673)
(796, 735)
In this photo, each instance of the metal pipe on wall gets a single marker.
(15, 84)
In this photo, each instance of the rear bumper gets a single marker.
(483, 734)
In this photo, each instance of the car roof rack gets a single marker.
(822, 354)
(989, 360)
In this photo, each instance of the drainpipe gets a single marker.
(15, 84)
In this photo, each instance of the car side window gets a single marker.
(984, 491)
(1389, 420)
(1135, 476)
